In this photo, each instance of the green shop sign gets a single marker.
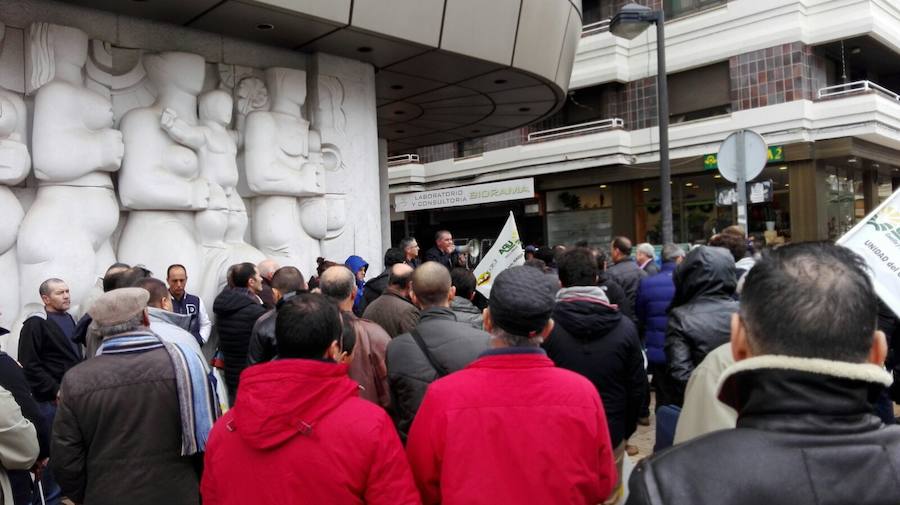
(711, 162)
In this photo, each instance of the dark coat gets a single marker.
(236, 313)
(117, 433)
(263, 346)
(601, 344)
(45, 355)
(435, 254)
(374, 288)
(453, 345)
(654, 296)
(700, 314)
(393, 312)
(627, 274)
(616, 295)
(802, 437)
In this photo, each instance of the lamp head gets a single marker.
(631, 20)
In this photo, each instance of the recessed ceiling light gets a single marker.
(603, 186)
(855, 50)
(399, 131)
(396, 86)
(717, 176)
(783, 167)
(364, 49)
(524, 109)
(399, 112)
(688, 184)
(646, 190)
(500, 81)
(265, 27)
(787, 185)
(851, 160)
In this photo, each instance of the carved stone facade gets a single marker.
(159, 156)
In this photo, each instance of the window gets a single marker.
(699, 93)
(471, 147)
(678, 8)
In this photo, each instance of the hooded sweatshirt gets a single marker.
(299, 434)
(355, 263)
(593, 339)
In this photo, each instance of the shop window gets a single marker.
(845, 201)
(580, 214)
(699, 93)
(678, 8)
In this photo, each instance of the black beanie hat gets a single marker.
(522, 299)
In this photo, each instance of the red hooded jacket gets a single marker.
(299, 434)
(511, 428)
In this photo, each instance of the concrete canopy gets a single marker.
(446, 70)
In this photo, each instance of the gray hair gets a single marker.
(516, 340)
(44, 289)
(135, 323)
(671, 252)
(647, 249)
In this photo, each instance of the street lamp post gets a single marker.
(628, 23)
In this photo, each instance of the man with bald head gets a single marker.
(367, 366)
(437, 346)
(267, 269)
(394, 310)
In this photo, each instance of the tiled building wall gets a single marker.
(776, 75)
(489, 143)
(640, 104)
(436, 153)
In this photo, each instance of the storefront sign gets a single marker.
(877, 239)
(502, 191)
(776, 154)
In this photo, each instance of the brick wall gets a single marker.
(776, 75)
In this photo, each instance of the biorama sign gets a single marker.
(502, 191)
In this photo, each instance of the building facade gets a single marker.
(818, 79)
(213, 132)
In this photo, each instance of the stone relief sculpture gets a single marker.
(15, 162)
(330, 121)
(222, 225)
(289, 215)
(66, 231)
(160, 182)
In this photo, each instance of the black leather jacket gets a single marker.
(802, 437)
(263, 347)
(700, 314)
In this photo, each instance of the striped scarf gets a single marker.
(197, 400)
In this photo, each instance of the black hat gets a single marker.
(522, 299)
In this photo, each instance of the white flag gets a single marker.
(877, 239)
(506, 252)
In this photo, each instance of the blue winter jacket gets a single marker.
(354, 263)
(653, 298)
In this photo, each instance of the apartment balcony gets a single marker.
(862, 110)
(734, 28)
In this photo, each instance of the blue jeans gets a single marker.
(52, 491)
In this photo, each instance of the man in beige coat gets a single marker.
(702, 411)
(18, 443)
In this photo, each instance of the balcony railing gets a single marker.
(402, 159)
(856, 87)
(576, 129)
(595, 28)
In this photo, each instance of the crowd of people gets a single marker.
(768, 371)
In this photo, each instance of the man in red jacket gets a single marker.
(299, 433)
(511, 427)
